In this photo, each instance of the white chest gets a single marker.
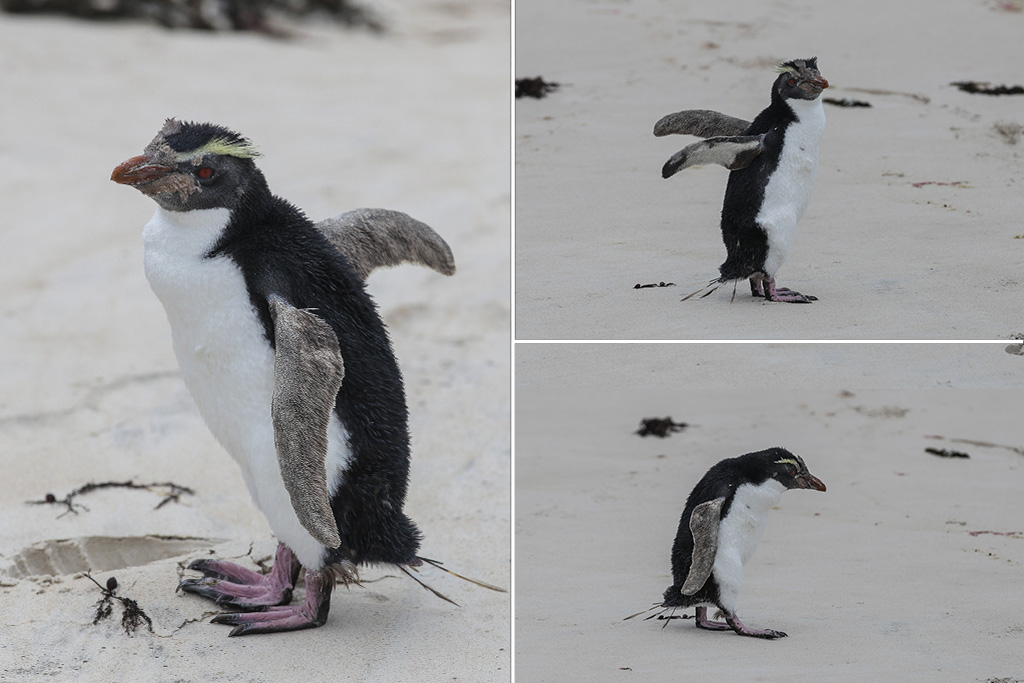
(740, 533)
(227, 362)
(741, 530)
(789, 188)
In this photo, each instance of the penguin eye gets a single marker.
(205, 172)
(792, 81)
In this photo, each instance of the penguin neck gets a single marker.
(758, 498)
(810, 113)
(187, 234)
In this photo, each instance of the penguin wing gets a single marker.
(732, 152)
(703, 123)
(371, 238)
(704, 525)
(308, 370)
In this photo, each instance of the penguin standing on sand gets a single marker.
(720, 529)
(290, 365)
(774, 161)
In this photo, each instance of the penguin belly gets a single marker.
(789, 188)
(227, 362)
(739, 534)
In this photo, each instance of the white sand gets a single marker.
(887, 260)
(415, 121)
(879, 578)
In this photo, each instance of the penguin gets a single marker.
(289, 363)
(773, 162)
(720, 529)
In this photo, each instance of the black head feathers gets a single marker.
(206, 138)
(797, 64)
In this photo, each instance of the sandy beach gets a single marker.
(415, 120)
(907, 568)
(913, 231)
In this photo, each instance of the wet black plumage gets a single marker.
(279, 251)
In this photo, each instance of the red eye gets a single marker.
(205, 172)
(792, 81)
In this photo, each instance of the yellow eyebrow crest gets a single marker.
(223, 147)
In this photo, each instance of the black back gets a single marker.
(746, 243)
(721, 480)
(279, 251)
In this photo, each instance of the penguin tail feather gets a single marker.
(440, 565)
(429, 588)
(714, 284)
(482, 584)
(652, 607)
(661, 614)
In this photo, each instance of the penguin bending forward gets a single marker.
(773, 162)
(291, 367)
(720, 529)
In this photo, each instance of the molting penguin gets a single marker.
(289, 363)
(720, 528)
(774, 161)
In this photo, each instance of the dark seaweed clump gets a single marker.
(946, 453)
(654, 284)
(659, 426)
(172, 493)
(976, 88)
(132, 616)
(218, 15)
(534, 87)
(845, 102)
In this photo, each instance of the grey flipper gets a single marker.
(308, 370)
(704, 526)
(371, 238)
(703, 123)
(732, 152)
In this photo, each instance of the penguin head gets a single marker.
(799, 79)
(790, 470)
(192, 166)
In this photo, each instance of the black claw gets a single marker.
(187, 585)
(230, 619)
(202, 588)
(771, 635)
(246, 629)
(201, 566)
(234, 603)
(197, 587)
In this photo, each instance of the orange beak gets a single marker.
(809, 481)
(138, 170)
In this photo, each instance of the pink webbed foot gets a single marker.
(310, 614)
(737, 626)
(234, 586)
(769, 291)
